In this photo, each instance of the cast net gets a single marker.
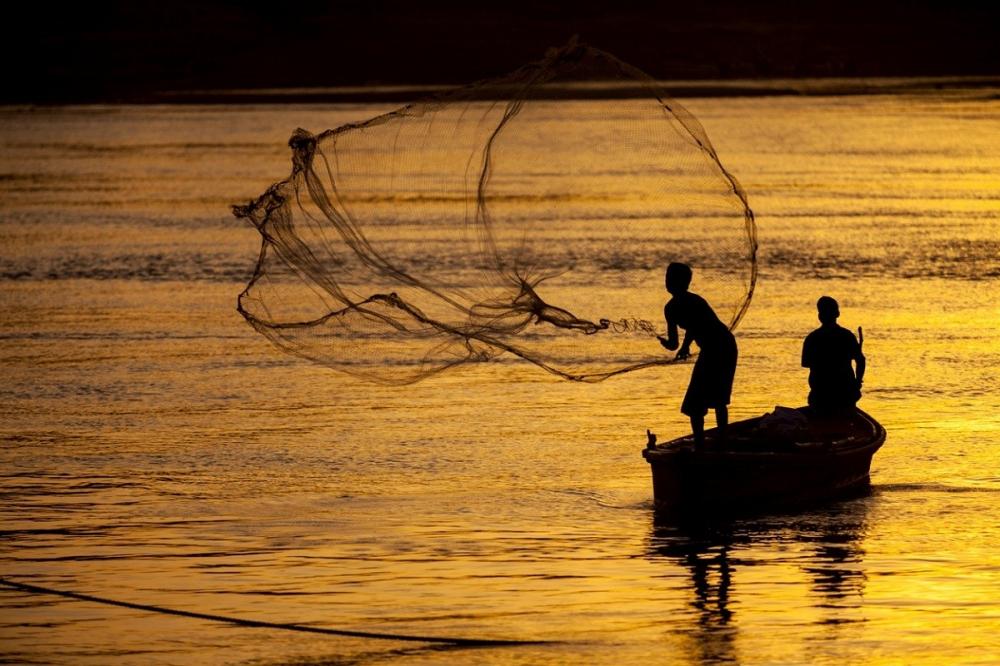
(527, 218)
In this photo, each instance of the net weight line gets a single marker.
(467, 642)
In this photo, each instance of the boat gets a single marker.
(785, 459)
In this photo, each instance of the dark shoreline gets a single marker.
(986, 87)
(189, 51)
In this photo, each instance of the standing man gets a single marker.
(828, 351)
(712, 378)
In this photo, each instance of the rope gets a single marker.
(469, 642)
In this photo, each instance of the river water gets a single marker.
(156, 450)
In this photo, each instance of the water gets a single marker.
(156, 450)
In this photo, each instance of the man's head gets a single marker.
(828, 310)
(678, 278)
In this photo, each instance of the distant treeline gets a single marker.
(122, 51)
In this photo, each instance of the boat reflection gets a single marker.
(826, 544)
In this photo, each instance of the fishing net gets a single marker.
(527, 218)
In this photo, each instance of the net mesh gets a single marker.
(526, 218)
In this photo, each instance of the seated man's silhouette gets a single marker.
(828, 352)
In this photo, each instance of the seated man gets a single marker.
(828, 352)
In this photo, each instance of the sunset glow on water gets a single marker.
(155, 449)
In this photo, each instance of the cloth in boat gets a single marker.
(828, 352)
(786, 422)
(711, 384)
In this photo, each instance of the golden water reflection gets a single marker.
(826, 546)
(156, 449)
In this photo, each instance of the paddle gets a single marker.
(861, 345)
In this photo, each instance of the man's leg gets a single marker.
(698, 428)
(722, 419)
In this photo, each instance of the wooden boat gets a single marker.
(784, 459)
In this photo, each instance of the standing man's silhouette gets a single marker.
(828, 352)
(712, 378)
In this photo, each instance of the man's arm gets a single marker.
(671, 336)
(806, 354)
(685, 349)
(670, 342)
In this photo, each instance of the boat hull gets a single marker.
(749, 474)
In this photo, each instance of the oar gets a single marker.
(861, 345)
